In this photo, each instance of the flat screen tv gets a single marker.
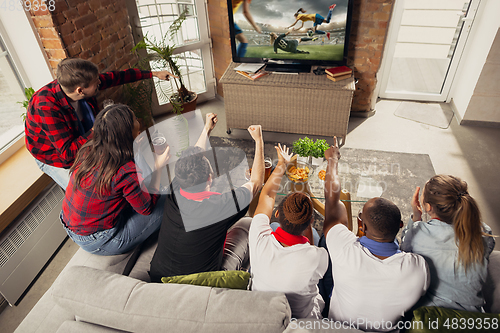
(290, 34)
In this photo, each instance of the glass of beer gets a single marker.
(268, 165)
(159, 142)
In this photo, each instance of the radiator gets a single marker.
(30, 242)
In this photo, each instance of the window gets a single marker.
(23, 63)
(11, 92)
(192, 42)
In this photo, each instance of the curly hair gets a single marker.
(192, 170)
(385, 217)
(295, 213)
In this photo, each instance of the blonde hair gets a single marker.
(451, 202)
(273, 37)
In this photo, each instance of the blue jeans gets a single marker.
(275, 226)
(59, 175)
(131, 230)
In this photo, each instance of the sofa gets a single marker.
(113, 294)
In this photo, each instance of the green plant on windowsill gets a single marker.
(160, 55)
(138, 96)
(28, 93)
(306, 147)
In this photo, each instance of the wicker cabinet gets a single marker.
(305, 103)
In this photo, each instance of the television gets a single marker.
(294, 34)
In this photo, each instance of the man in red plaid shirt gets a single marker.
(61, 114)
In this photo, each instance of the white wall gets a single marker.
(476, 51)
(35, 69)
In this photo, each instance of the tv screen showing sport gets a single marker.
(289, 29)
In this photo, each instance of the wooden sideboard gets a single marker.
(293, 103)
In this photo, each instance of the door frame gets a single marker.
(390, 47)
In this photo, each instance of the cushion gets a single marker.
(123, 303)
(436, 319)
(219, 279)
(491, 288)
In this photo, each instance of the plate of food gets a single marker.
(299, 173)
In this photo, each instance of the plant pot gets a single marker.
(188, 106)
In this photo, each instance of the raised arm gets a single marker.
(257, 176)
(248, 16)
(294, 23)
(268, 194)
(160, 163)
(211, 121)
(335, 211)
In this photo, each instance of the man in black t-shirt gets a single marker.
(193, 232)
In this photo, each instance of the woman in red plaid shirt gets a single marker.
(106, 211)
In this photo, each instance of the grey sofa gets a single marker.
(92, 295)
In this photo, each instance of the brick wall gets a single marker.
(96, 30)
(368, 33)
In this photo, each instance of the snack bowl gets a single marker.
(299, 173)
(321, 178)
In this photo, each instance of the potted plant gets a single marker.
(160, 56)
(309, 149)
(28, 93)
(138, 96)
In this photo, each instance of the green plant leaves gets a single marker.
(28, 93)
(307, 147)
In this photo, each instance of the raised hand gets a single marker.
(283, 154)
(333, 151)
(211, 121)
(162, 159)
(255, 131)
(415, 206)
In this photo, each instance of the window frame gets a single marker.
(26, 54)
(204, 44)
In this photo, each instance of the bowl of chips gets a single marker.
(299, 173)
(321, 178)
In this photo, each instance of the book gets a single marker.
(251, 76)
(249, 68)
(338, 78)
(338, 71)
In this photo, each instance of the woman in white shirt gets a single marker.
(285, 260)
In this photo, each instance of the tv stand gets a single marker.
(305, 103)
(288, 68)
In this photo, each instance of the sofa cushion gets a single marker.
(427, 319)
(491, 289)
(219, 279)
(124, 303)
(82, 327)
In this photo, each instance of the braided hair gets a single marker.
(295, 213)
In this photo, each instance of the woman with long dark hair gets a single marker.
(106, 209)
(455, 243)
